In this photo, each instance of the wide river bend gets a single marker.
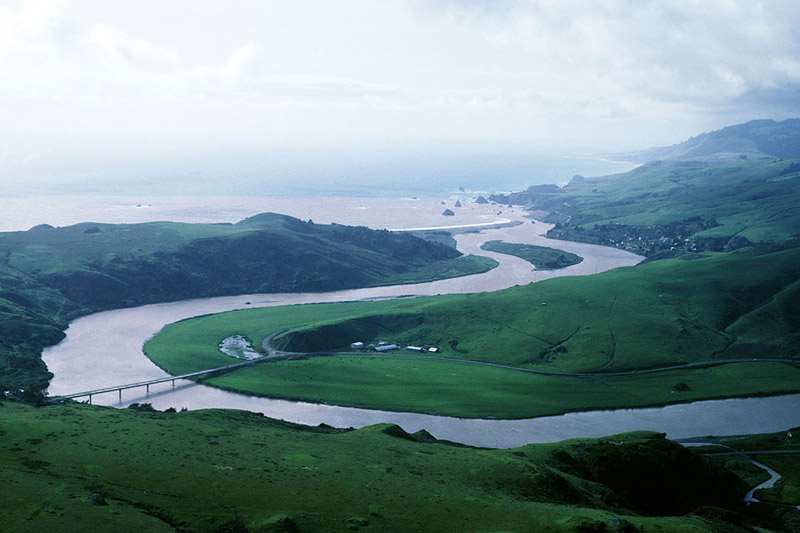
(105, 349)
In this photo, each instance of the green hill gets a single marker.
(221, 470)
(668, 206)
(656, 314)
(718, 191)
(51, 275)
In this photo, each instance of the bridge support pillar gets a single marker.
(148, 389)
(120, 395)
(90, 399)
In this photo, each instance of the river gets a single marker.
(105, 349)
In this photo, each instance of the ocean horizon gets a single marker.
(450, 174)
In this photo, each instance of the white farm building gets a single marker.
(385, 347)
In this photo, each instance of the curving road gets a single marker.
(599, 373)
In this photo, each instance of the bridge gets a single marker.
(272, 355)
(146, 384)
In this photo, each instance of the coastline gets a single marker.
(23, 213)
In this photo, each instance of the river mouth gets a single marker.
(105, 349)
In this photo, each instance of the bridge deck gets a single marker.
(157, 380)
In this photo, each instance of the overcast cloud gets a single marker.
(614, 75)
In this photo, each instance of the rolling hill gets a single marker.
(717, 191)
(669, 206)
(218, 471)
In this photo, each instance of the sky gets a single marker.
(151, 89)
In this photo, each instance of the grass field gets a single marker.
(541, 257)
(475, 391)
(656, 314)
(65, 466)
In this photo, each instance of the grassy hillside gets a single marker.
(98, 265)
(230, 470)
(666, 206)
(50, 275)
(726, 306)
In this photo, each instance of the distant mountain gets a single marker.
(757, 138)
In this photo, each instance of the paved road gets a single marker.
(755, 452)
(703, 364)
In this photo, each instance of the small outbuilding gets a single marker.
(415, 348)
(356, 345)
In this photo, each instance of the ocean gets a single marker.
(429, 173)
(375, 192)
